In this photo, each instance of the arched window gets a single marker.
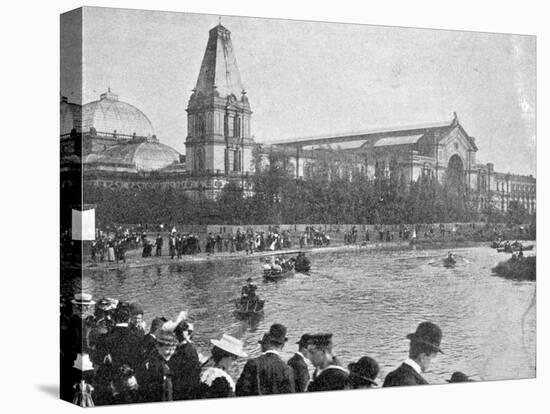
(237, 160)
(237, 127)
(199, 159)
(201, 125)
(225, 125)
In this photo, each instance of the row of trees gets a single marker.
(280, 198)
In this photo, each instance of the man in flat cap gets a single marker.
(267, 374)
(299, 365)
(330, 376)
(423, 348)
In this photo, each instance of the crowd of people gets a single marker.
(249, 241)
(109, 357)
(112, 243)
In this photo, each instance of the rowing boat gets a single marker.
(274, 275)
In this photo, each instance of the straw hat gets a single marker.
(83, 299)
(230, 345)
(83, 363)
(107, 304)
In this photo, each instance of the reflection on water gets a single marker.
(369, 300)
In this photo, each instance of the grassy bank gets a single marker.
(518, 268)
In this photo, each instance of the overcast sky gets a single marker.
(311, 78)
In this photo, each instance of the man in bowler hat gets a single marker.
(267, 374)
(459, 377)
(363, 373)
(424, 347)
(330, 376)
(299, 365)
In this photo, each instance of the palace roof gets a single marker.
(108, 114)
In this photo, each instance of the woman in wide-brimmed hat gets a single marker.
(215, 380)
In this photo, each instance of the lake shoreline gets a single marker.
(134, 259)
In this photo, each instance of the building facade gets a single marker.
(112, 144)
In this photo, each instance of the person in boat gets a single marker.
(450, 258)
(302, 262)
(248, 294)
(276, 266)
(267, 265)
(508, 248)
(286, 265)
(215, 381)
(329, 375)
(423, 349)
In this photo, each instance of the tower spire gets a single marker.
(219, 65)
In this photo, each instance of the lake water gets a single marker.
(369, 300)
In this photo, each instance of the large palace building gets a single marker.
(113, 144)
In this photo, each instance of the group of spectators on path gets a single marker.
(109, 357)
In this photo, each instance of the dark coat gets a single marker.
(220, 388)
(266, 374)
(155, 379)
(300, 371)
(330, 379)
(147, 346)
(127, 397)
(404, 375)
(122, 344)
(186, 371)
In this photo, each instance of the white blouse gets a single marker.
(211, 373)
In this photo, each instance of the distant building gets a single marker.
(443, 151)
(110, 143)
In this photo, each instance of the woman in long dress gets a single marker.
(83, 394)
(111, 250)
(215, 380)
